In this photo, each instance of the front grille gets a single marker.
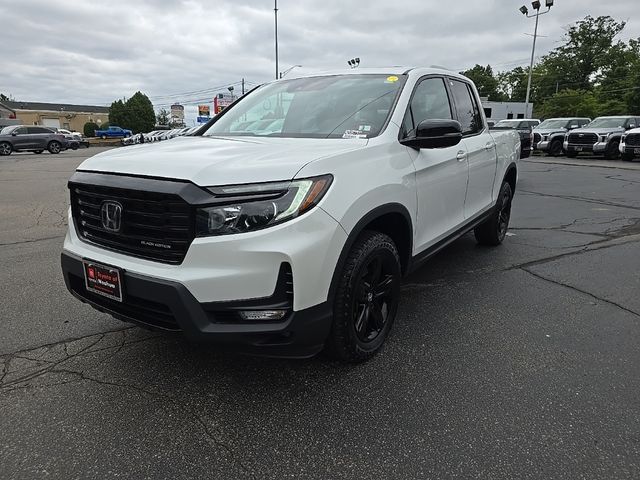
(583, 138)
(150, 313)
(537, 137)
(154, 226)
(633, 140)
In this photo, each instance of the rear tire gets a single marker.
(366, 300)
(54, 147)
(5, 148)
(492, 231)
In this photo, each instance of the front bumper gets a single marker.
(596, 148)
(542, 146)
(629, 150)
(169, 306)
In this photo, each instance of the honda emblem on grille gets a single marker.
(111, 213)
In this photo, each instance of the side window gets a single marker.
(430, 102)
(20, 131)
(467, 108)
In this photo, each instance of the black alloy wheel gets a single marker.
(375, 300)
(5, 148)
(494, 230)
(54, 147)
(366, 299)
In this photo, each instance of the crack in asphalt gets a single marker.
(179, 406)
(584, 292)
(31, 241)
(580, 199)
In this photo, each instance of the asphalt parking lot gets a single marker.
(516, 362)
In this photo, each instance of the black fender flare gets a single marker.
(355, 232)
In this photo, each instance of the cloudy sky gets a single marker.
(94, 51)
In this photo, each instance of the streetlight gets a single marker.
(525, 11)
(231, 91)
(282, 74)
(275, 13)
(354, 62)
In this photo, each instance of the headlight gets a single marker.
(545, 138)
(244, 208)
(603, 138)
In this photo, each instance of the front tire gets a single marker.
(613, 150)
(555, 149)
(366, 300)
(54, 147)
(492, 231)
(5, 148)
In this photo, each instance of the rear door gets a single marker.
(39, 136)
(480, 146)
(441, 173)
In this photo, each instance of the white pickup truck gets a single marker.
(286, 224)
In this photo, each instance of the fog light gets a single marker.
(253, 315)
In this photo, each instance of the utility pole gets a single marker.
(525, 11)
(275, 11)
(243, 86)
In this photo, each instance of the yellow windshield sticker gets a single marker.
(392, 79)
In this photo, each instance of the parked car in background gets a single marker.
(548, 137)
(66, 132)
(255, 233)
(524, 127)
(630, 144)
(76, 142)
(601, 137)
(113, 132)
(31, 138)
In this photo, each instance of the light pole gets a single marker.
(275, 13)
(282, 74)
(525, 11)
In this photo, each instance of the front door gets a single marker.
(441, 173)
(22, 140)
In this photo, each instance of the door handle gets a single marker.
(489, 146)
(461, 156)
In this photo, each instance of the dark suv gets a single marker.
(21, 138)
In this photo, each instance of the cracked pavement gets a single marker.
(521, 361)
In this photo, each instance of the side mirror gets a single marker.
(631, 126)
(435, 134)
(14, 134)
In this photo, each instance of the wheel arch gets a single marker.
(392, 219)
(511, 176)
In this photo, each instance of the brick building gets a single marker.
(61, 115)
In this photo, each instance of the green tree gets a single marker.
(89, 129)
(118, 114)
(486, 82)
(570, 103)
(513, 84)
(135, 114)
(163, 117)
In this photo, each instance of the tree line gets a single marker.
(592, 73)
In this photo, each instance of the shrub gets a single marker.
(89, 128)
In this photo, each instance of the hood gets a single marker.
(548, 131)
(208, 161)
(599, 131)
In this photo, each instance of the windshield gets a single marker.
(8, 130)
(612, 122)
(508, 123)
(341, 106)
(551, 123)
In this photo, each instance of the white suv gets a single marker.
(286, 224)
